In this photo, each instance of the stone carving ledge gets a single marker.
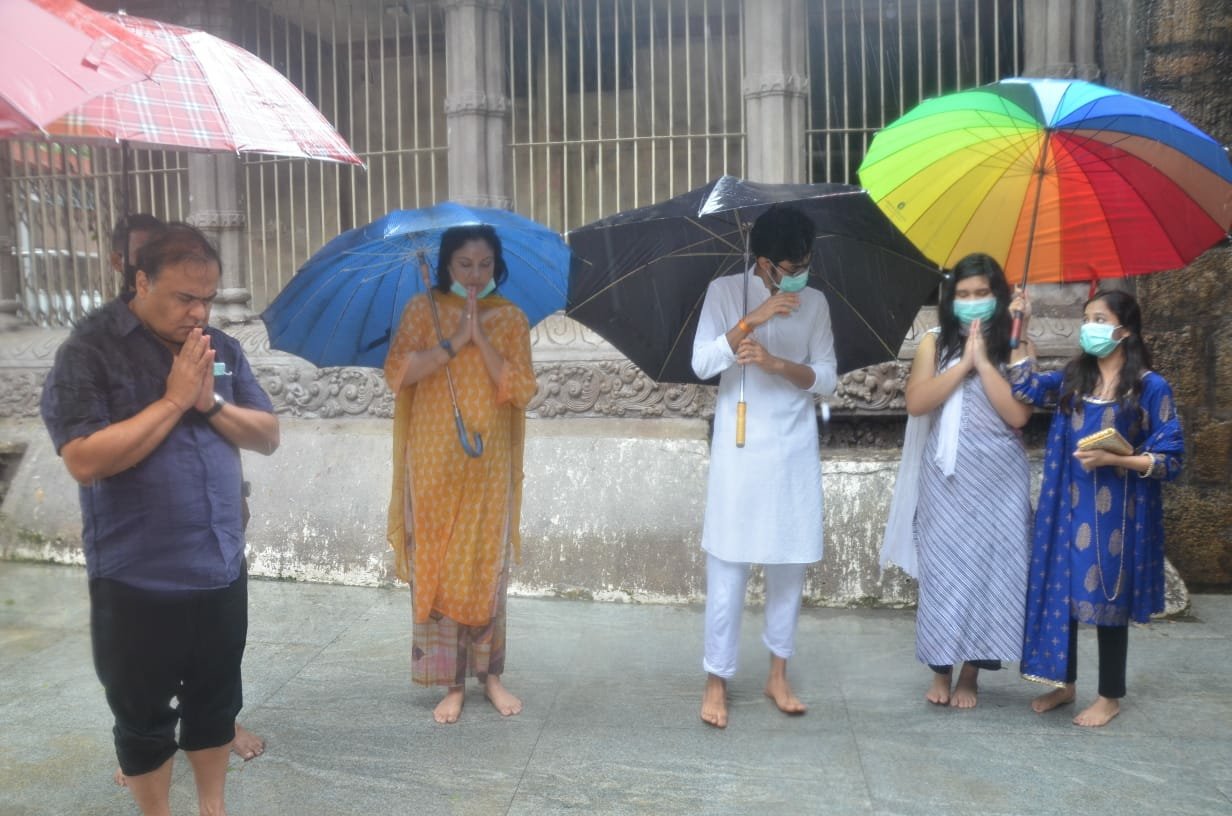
(579, 376)
(776, 85)
(476, 102)
(217, 219)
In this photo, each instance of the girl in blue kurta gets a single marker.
(1098, 545)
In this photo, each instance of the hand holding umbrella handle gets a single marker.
(1019, 309)
(741, 409)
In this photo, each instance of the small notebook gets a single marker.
(1108, 439)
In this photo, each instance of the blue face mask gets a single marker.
(460, 290)
(969, 311)
(792, 283)
(1097, 339)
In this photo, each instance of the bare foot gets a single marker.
(499, 696)
(939, 692)
(449, 709)
(247, 744)
(779, 690)
(966, 691)
(1054, 699)
(1099, 713)
(714, 702)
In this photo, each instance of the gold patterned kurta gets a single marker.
(463, 511)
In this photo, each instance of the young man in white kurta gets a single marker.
(763, 504)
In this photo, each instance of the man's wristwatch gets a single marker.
(219, 402)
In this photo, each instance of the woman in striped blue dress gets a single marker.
(972, 516)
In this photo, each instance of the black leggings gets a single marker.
(1113, 651)
(986, 665)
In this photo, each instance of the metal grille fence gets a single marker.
(615, 104)
(377, 72)
(619, 103)
(870, 61)
(64, 201)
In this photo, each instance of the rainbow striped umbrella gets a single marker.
(1059, 180)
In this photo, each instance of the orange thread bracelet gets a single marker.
(744, 327)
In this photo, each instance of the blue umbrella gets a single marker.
(344, 304)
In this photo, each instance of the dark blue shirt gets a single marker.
(172, 521)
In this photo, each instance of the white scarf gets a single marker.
(898, 545)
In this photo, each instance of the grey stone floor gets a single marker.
(610, 724)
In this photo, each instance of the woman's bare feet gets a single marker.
(246, 744)
(499, 696)
(779, 690)
(1054, 699)
(1099, 713)
(939, 692)
(966, 690)
(714, 702)
(449, 709)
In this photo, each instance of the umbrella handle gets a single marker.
(473, 451)
(741, 408)
(1016, 329)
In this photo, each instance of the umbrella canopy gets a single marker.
(640, 276)
(1059, 180)
(210, 96)
(57, 54)
(344, 304)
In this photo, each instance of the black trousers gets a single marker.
(986, 665)
(1113, 652)
(168, 658)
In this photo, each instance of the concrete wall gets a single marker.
(612, 510)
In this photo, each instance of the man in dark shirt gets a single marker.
(149, 407)
(131, 233)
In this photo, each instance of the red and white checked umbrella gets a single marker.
(212, 96)
(57, 54)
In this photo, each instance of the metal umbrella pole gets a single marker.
(1016, 326)
(741, 406)
(476, 449)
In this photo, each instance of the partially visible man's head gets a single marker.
(130, 234)
(178, 272)
(782, 233)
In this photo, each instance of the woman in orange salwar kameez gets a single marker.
(453, 519)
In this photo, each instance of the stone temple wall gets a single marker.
(615, 470)
(1179, 52)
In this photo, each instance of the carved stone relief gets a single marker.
(579, 375)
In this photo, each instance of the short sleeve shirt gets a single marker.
(173, 520)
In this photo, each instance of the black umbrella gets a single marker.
(639, 277)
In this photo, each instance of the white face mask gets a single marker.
(792, 283)
(1096, 338)
(460, 290)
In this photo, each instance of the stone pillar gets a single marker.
(214, 208)
(476, 107)
(10, 268)
(214, 204)
(775, 84)
(1059, 39)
